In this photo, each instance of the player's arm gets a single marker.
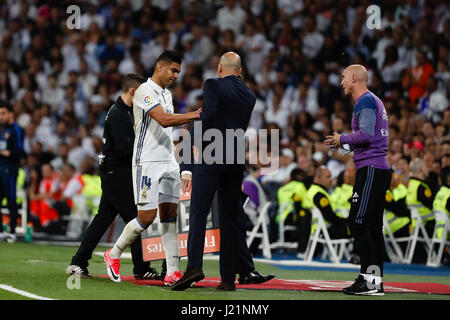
(12, 150)
(149, 102)
(186, 169)
(366, 115)
(172, 120)
(322, 203)
(425, 196)
(399, 207)
(210, 103)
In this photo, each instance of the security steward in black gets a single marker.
(395, 202)
(117, 188)
(337, 226)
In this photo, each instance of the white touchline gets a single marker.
(23, 293)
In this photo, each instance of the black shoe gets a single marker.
(78, 271)
(226, 286)
(189, 277)
(446, 259)
(359, 287)
(254, 277)
(354, 259)
(150, 274)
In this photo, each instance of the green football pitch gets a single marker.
(40, 270)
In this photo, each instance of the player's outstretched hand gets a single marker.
(333, 141)
(186, 182)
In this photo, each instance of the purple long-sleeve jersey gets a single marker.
(369, 139)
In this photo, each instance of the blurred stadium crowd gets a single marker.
(61, 82)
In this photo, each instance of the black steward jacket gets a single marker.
(118, 136)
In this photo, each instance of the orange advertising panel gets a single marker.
(153, 249)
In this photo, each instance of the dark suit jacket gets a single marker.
(227, 104)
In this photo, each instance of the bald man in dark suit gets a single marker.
(228, 104)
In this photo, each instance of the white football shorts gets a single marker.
(156, 182)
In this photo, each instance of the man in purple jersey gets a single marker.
(369, 143)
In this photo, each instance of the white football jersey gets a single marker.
(152, 141)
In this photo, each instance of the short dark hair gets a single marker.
(132, 80)
(5, 104)
(445, 172)
(297, 174)
(169, 56)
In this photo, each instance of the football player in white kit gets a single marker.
(156, 173)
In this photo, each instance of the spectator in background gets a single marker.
(231, 16)
(392, 67)
(255, 46)
(442, 75)
(76, 152)
(282, 175)
(202, 45)
(132, 62)
(275, 112)
(62, 158)
(42, 202)
(6, 91)
(318, 196)
(90, 17)
(327, 93)
(76, 73)
(53, 95)
(304, 99)
(312, 39)
(418, 77)
(420, 194)
(433, 103)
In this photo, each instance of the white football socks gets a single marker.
(169, 239)
(370, 278)
(131, 231)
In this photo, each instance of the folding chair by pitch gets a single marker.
(260, 221)
(393, 249)
(336, 248)
(418, 234)
(440, 234)
(281, 243)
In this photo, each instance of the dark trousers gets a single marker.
(234, 254)
(8, 179)
(117, 198)
(366, 216)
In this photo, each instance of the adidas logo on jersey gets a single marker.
(355, 195)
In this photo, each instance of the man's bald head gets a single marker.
(323, 177)
(354, 80)
(359, 71)
(416, 166)
(229, 64)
